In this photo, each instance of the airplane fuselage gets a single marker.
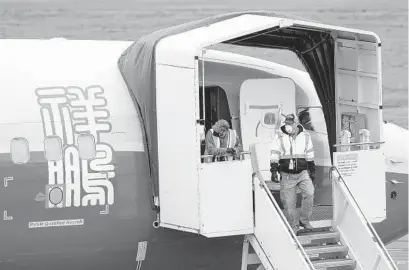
(71, 212)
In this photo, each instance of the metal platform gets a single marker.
(320, 212)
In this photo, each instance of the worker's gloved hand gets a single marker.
(230, 151)
(273, 170)
(274, 177)
(311, 170)
(312, 176)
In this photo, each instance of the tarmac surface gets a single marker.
(399, 252)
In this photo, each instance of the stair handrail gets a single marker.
(283, 218)
(355, 204)
(358, 144)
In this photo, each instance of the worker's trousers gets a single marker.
(288, 195)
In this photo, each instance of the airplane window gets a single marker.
(312, 119)
(86, 146)
(269, 118)
(53, 148)
(19, 150)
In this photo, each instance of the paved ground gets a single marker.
(399, 252)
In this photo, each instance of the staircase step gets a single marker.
(334, 264)
(319, 238)
(314, 230)
(327, 251)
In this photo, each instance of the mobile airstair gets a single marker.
(349, 242)
(232, 198)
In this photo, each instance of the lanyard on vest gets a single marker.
(291, 146)
(291, 165)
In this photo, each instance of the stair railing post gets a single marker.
(345, 138)
(364, 136)
(245, 253)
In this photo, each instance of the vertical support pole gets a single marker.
(364, 136)
(245, 253)
(345, 138)
(203, 84)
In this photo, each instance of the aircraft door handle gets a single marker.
(395, 160)
(393, 181)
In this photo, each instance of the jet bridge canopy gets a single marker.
(161, 71)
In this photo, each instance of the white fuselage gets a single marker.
(65, 88)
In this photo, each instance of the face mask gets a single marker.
(288, 128)
(222, 134)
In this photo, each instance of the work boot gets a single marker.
(295, 229)
(307, 226)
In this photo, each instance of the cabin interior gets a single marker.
(253, 98)
(229, 87)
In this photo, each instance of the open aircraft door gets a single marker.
(262, 101)
(212, 199)
(187, 196)
(359, 109)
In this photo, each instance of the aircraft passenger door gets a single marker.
(358, 96)
(261, 102)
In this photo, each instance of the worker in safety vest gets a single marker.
(292, 156)
(221, 141)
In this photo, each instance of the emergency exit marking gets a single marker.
(6, 217)
(8, 179)
(106, 211)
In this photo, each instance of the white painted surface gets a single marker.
(181, 49)
(177, 149)
(260, 158)
(396, 148)
(355, 231)
(226, 199)
(258, 96)
(370, 173)
(63, 63)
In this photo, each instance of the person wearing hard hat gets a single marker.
(292, 157)
(221, 141)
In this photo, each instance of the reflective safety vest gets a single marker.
(231, 142)
(231, 139)
(288, 147)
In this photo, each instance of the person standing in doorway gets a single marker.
(221, 141)
(292, 157)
